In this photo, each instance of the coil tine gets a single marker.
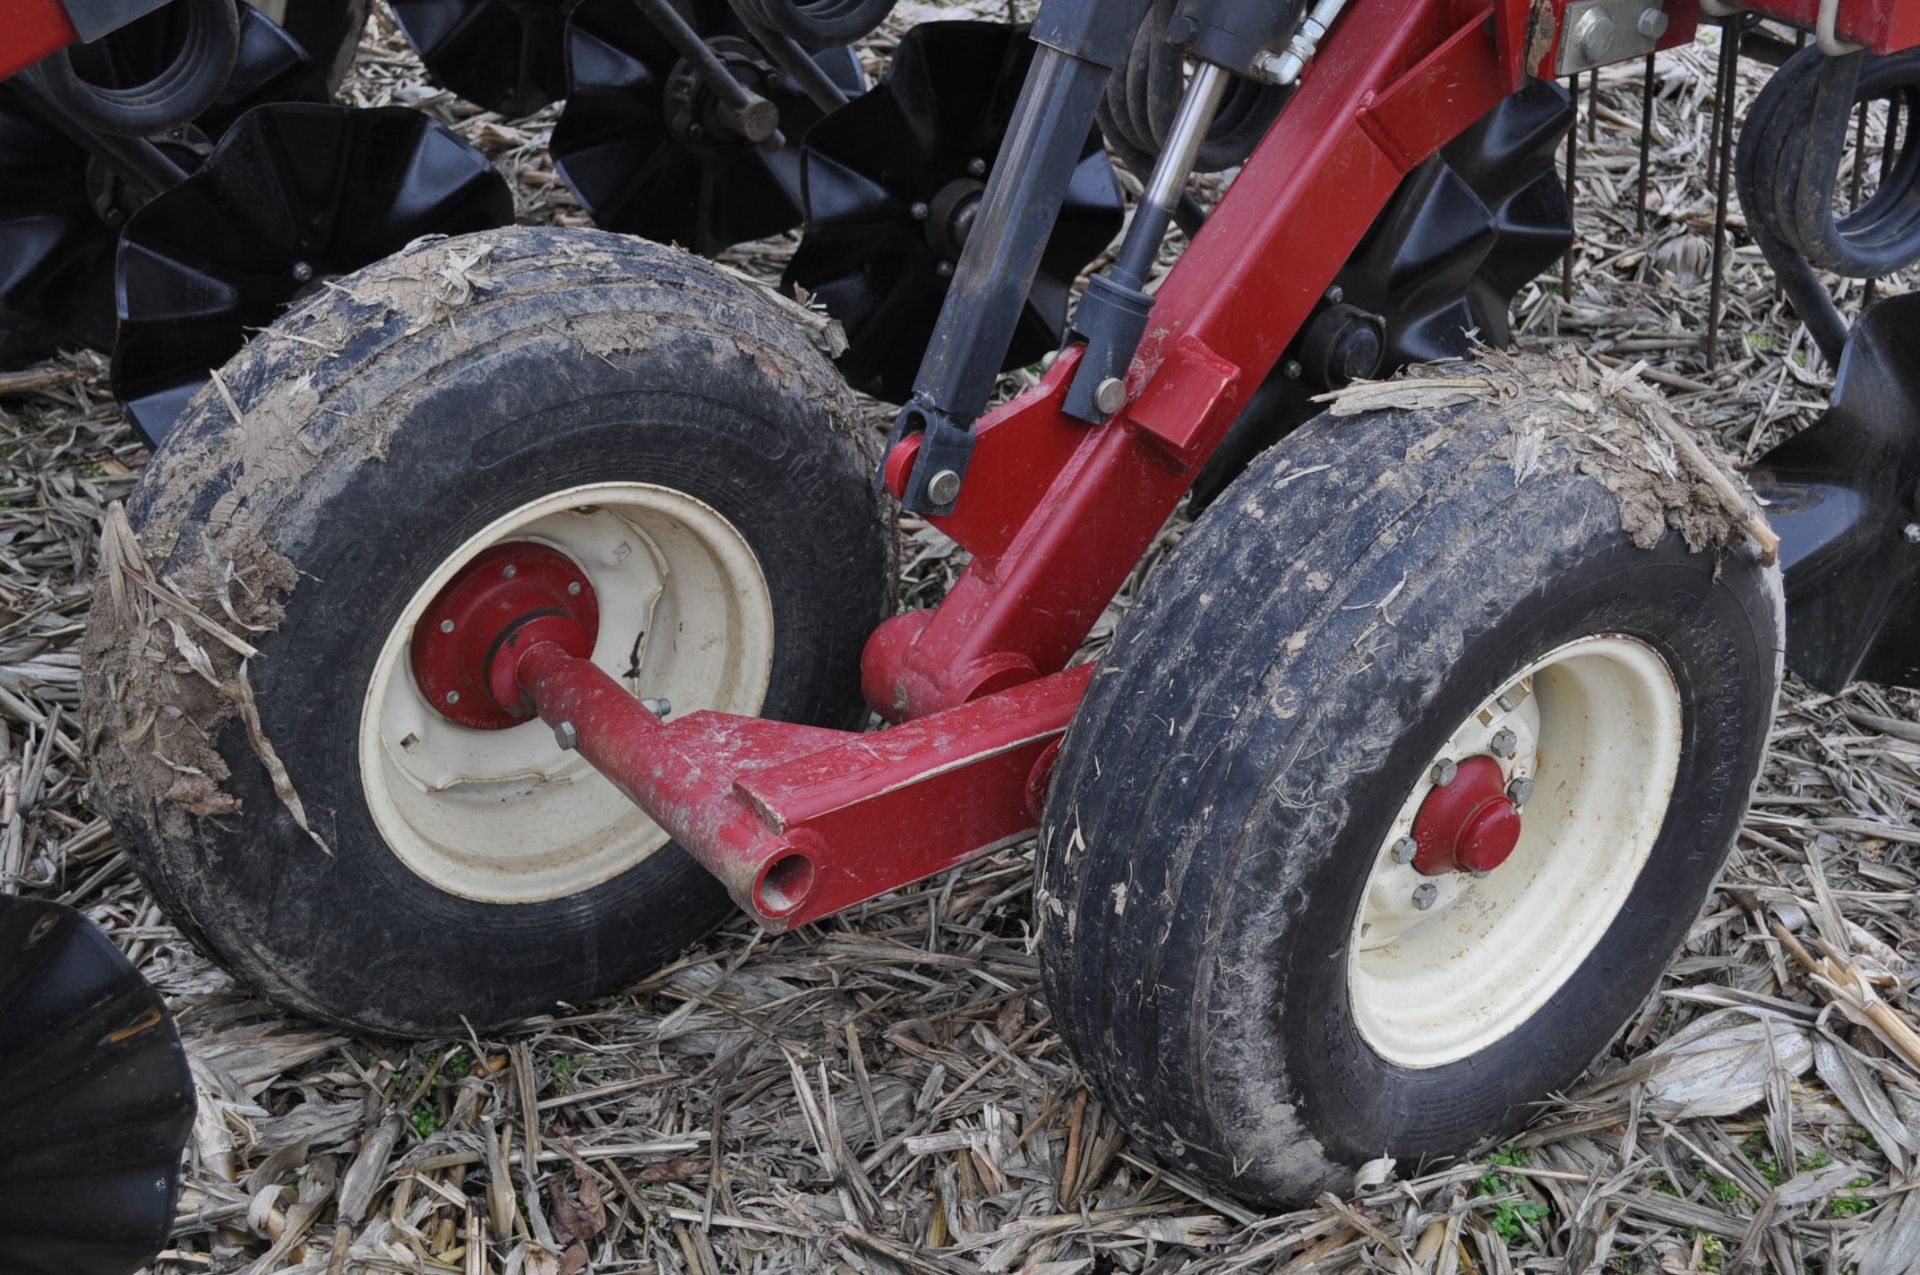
(1723, 129)
(1646, 142)
(1573, 174)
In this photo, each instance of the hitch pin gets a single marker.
(1285, 68)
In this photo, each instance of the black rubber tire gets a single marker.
(381, 431)
(1225, 790)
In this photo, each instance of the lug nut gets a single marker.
(1424, 894)
(1443, 772)
(1519, 790)
(1110, 395)
(943, 487)
(1503, 742)
(1404, 849)
(658, 706)
(566, 736)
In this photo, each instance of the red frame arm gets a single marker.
(31, 30)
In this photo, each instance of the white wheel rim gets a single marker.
(1597, 726)
(508, 816)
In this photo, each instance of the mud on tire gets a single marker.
(1225, 794)
(384, 424)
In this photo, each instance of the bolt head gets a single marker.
(944, 487)
(302, 272)
(453, 697)
(944, 270)
(1653, 23)
(1508, 701)
(1292, 369)
(566, 736)
(1110, 395)
(1443, 772)
(446, 626)
(1404, 849)
(977, 166)
(1424, 895)
(919, 212)
(657, 705)
(1503, 742)
(573, 588)
(1912, 532)
(1594, 33)
(1519, 790)
(509, 571)
(1336, 294)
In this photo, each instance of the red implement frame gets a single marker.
(30, 30)
(801, 822)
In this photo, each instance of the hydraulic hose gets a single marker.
(1789, 160)
(817, 24)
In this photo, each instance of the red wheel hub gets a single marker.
(508, 598)
(1469, 825)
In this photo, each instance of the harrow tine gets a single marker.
(1723, 133)
(1646, 143)
(1573, 175)
(1593, 105)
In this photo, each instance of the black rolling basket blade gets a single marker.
(96, 1100)
(1842, 495)
(294, 195)
(890, 181)
(641, 148)
(505, 55)
(60, 210)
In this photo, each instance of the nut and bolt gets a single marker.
(1593, 34)
(1443, 772)
(453, 697)
(1508, 701)
(1503, 742)
(1519, 790)
(1336, 294)
(944, 487)
(977, 166)
(1110, 395)
(1652, 24)
(657, 705)
(509, 571)
(446, 626)
(1404, 849)
(1424, 895)
(573, 588)
(1912, 532)
(919, 212)
(566, 736)
(302, 271)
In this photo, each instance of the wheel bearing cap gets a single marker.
(1467, 825)
(510, 595)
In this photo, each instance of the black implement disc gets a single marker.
(505, 55)
(60, 210)
(293, 195)
(891, 181)
(1466, 231)
(95, 1099)
(639, 144)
